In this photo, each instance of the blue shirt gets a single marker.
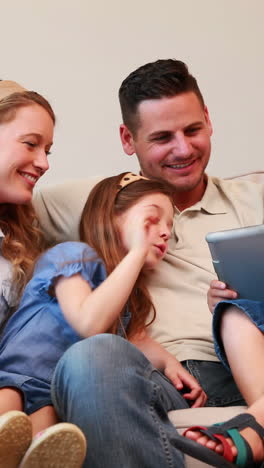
(37, 334)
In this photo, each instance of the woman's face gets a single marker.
(25, 142)
(147, 225)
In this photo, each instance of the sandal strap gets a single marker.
(227, 452)
(232, 428)
(243, 421)
(244, 456)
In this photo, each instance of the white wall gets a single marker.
(77, 52)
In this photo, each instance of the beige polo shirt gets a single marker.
(179, 286)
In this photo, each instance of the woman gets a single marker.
(26, 135)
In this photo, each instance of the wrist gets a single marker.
(139, 253)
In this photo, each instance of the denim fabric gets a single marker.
(253, 309)
(109, 389)
(216, 381)
(37, 335)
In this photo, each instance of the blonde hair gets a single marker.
(12, 102)
(23, 240)
(99, 229)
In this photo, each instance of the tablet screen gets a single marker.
(238, 259)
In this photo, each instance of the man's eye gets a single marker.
(162, 138)
(193, 130)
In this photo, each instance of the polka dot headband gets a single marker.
(129, 178)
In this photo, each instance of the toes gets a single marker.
(193, 435)
(219, 449)
(211, 444)
(203, 440)
(197, 437)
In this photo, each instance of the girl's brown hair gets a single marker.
(23, 240)
(99, 229)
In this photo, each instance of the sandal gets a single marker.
(218, 433)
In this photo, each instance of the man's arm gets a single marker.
(59, 208)
(172, 369)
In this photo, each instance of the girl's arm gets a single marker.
(172, 368)
(92, 312)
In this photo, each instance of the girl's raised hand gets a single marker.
(217, 292)
(136, 232)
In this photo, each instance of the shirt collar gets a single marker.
(211, 202)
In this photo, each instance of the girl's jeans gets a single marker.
(109, 389)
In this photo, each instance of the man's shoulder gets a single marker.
(243, 193)
(253, 182)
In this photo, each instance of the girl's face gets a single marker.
(25, 142)
(147, 225)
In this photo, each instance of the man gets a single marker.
(167, 125)
(104, 384)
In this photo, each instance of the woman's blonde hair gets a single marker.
(23, 240)
(99, 229)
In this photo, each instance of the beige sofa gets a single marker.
(59, 209)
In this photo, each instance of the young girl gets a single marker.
(26, 134)
(80, 289)
(238, 328)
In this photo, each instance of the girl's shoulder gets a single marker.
(67, 253)
(67, 259)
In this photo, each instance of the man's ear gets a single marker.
(208, 120)
(127, 140)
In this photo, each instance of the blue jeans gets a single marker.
(216, 381)
(254, 311)
(109, 389)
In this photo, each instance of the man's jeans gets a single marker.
(109, 389)
(217, 383)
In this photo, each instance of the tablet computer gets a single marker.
(238, 259)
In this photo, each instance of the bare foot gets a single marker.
(249, 435)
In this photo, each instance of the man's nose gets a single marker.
(182, 146)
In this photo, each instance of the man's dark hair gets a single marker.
(155, 80)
